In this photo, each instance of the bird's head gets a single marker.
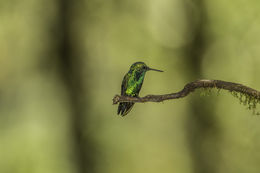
(142, 67)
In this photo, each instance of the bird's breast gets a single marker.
(134, 85)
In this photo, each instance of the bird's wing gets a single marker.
(124, 85)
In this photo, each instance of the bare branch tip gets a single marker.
(116, 99)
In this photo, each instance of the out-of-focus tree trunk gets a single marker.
(202, 131)
(70, 68)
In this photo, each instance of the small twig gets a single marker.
(190, 87)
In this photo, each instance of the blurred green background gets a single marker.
(61, 63)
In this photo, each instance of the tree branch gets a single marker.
(190, 87)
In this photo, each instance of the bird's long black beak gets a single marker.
(154, 69)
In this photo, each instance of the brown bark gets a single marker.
(190, 87)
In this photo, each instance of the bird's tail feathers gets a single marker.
(124, 108)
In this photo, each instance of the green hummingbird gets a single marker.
(132, 84)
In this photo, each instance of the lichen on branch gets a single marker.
(246, 95)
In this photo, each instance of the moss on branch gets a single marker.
(247, 96)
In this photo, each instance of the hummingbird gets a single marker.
(132, 84)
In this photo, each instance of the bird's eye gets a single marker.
(144, 67)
